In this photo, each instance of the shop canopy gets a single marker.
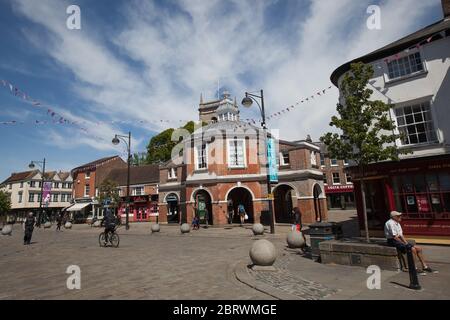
(78, 206)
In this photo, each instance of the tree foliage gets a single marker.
(5, 202)
(159, 149)
(367, 131)
(108, 190)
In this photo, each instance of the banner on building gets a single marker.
(272, 159)
(46, 194)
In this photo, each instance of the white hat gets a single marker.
(395, 214)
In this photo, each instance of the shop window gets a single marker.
(415, 124)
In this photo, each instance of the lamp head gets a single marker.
(115, 141)
(31, 165)
(247, 102)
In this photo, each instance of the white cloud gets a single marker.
(177, 54)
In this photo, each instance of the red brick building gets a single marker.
(86, 180)
(144, 182)
(223, 164)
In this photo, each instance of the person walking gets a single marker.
(58, 222)
(242, 213)
(230, 211)
(297, 222)
(28, 227)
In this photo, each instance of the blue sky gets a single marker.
(150, 60)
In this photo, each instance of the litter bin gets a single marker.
(318, 232)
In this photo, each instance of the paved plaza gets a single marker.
(205, 264)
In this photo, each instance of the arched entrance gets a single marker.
(203, 207)
(173, 208)
(317, 191)
(284, 201)
(241, 196)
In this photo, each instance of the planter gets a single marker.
(97, 224)
(47, 225)
(68, 225)
(155, 227)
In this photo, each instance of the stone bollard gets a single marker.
(97, 224)
(47, 225)
(263, 253)
(295, 240)
(185, 228)
(7, 230)
(68, 225)
(258, 229)
(155, 227)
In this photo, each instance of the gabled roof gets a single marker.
(138, 175)
(94, 164)
(394, 47)
(20, 176)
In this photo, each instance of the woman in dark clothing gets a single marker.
(297, 220)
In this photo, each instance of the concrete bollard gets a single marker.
(295, 240)
(258, 229)
(68, 225)
(7, 230)
(155, 227)
(185, 228)
(97, 224)
(263, 253)
(47, 225)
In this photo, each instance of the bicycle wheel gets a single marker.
(101, 240)
(114, 239)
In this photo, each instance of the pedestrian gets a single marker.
(230, 211)
(196, 223)
(58, 222)
(242, 213)
(297, 222)
(28, 227)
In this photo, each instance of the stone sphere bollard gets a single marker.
(258, 229)
(47, 225)
(97, 224)
(185, 228)
(155, 227)
(295, 240)
(7, 230)
(263, 253)
(68, 225)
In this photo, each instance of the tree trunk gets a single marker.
(363, 194)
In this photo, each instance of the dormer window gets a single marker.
(87, 175)
(172, 173)
(284, 158)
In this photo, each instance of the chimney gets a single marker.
(446, 8)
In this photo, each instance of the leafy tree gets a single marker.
(139, 158)
(366, 128)
(159, 150)
(5, 202)
(109, 190)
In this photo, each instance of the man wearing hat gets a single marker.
(394, 235)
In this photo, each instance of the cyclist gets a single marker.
(109, 222)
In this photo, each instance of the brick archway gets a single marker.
(241, 195)
(283, 202)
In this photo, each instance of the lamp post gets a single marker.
(116, 141)
(247, 102)
(32, 165)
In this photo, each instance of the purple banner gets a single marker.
(46, 192)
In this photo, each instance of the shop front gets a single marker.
(340, 197)
(419, 188)
(141, 209)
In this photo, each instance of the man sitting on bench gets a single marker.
(394, 235)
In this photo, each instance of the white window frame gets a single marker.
(334, 165)
(20, 196)
(134, 192)
(244, 151)
(172, 173)
(346, 178)
(325, 179)
(282, 161)
(413, 103)
(196, 160)
(332, 178)
(313, 157)
(402, 55)
(55, 196)
(87, 175)
(63, 197)
(31, 197)
(86, 194)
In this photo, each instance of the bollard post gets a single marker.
(413, 279)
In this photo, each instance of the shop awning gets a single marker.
(79, 206)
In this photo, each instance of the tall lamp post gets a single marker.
(248, 102)
(32, 165)
(116, 141)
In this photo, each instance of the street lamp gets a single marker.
(32, 165)
(248, 102)
(116, 141)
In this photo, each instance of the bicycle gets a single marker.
(113, 238)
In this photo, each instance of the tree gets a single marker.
(367, 131)
(5, 202)
(109, 190)
(159, 150)
(139, 159)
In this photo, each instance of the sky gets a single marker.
(141, 66)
